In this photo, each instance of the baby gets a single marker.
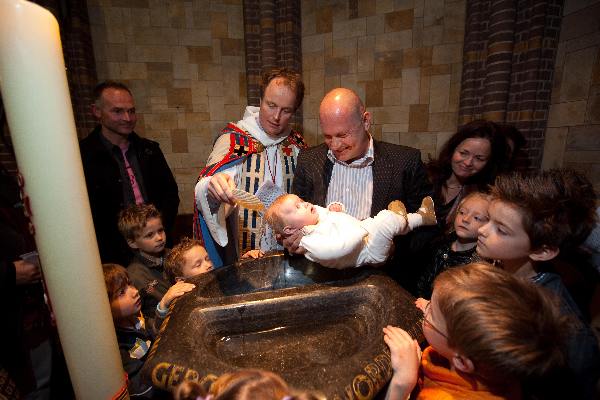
(338, 240)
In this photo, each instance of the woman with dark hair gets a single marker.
(469, 161)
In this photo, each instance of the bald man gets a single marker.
(354, 169)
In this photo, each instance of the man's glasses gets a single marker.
(427, 322)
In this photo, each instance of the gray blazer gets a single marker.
(398, 174)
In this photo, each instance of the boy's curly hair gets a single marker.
(134, 218)
(174, 261)
(557, 206)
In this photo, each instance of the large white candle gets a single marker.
(38, 107)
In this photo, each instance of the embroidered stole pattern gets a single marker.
(253, 172)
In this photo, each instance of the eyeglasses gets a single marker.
(427, 322)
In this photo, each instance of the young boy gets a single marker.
(491, 336)
(533, 218)
(134, 332)
(189, 258)
(338, 240)
(142, 228)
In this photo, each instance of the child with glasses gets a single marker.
(491, 336)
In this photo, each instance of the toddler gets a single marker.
(533, 218)
(189, 258)
(459, 247)
(142, 227)
(135, 333)
(242, 385)
(491, 336)
(338, 240)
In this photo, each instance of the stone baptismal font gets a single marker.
(319, 328)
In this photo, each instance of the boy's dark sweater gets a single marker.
(148, 277)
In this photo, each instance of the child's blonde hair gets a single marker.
(134, 218)
(273, 216)
(508, 327)
(242, 385)
(476, 194)
(175, 260)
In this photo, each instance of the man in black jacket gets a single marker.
(122, 168)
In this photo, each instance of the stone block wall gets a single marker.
(403, 58)
(184, 62)
(573, 132)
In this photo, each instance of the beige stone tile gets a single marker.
(418, 140)
(399, 128)
(323, 19)
(374, 94)
(194, 37)
(327, 44)
(581, 138)
(182, 83)
(404, 4)
(313, 43)
(375, 25)
(433, 12)
(391, 137)
(392, 96)
(214, 88)
(337, 66)
(433, 35)
(418, 118)
(179, 141)
(210, 72)
(331, 82)
(350, 28)
(566, 114)
(198, 54)
(411, 78)
(232, 47)
(309, 23)
(416, 57)
(424, 88)
(235, 22)
(365, 61)
(231, 87)
(216, 106)
(155, 36)
(158, 121)
(219, 25)
(577, 74)
(439, 90)
(181, 71)
(313, 60)
(114, 52)
(442, 121)
(388, 65)
(149, 53)
(392, 115)
(447, 53)
(344, 47)
(393, 41)
(392, 83)
(399, 20)
(384, 6)
(133, 71)
(234, 112)
(316, 77)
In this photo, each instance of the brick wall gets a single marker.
(184, 61)
(404, 59)
(573, 132)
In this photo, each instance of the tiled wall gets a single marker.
(403, 57)
(184, 61)
(573, 133)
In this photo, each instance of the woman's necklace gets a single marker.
(272, 172)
